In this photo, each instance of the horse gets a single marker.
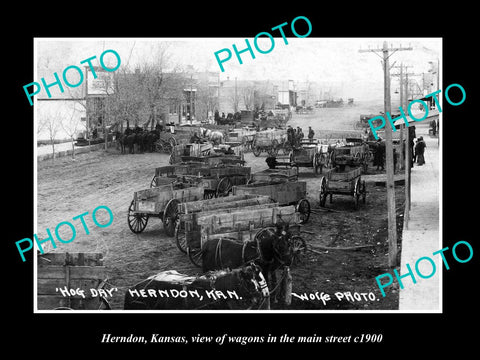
(270, 250)
(244, 287)
(214, 136)
(130, 141)
(152, 137)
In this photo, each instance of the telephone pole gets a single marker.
(403, 104)
(391, 213)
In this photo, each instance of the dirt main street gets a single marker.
(68, 188)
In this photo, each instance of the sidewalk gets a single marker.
(65, 149)
(421, 235)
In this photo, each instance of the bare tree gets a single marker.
(71, 126)
(248, 93)
(51, 122)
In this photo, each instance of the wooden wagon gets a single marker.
(270, 141)
(168, 140)
(244, 135)
(192, 150)
(241, 218)
(343, 181)
(354, 153)
(160, 202)
(283, 192)
(216, 180)
(310, 154)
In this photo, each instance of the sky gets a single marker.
(323, 60)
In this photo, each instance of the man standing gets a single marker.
(379, 157)
(420, 150)
(311, 133)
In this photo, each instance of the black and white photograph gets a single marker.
(173, 177)
(217, 182)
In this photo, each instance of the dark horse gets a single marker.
(270, 250)
(240, 288)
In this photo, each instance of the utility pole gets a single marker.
(403, 104)
(391, 213)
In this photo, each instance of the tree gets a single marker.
(70, 126)
(248, 93)
(51, 122)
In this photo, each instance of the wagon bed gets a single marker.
(343, 180)
(283, 192)
(160, 202)
(239, 220)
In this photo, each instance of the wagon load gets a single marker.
(71, 281)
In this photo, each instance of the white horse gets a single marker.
(214, 136)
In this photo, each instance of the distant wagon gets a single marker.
(343, 181)
(270, 141)
(356, 152)
(310, 154)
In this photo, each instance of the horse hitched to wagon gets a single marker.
(243, 218)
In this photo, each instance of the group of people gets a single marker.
(417, 151)
(295, 136)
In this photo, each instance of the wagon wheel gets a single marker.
(303, 207)
(153, 183)
(180, 237)
(136, 222)
(195, 256)
(224, 187)
(299, 248)
(273, 150)
(357, 192)
(170, 217)
(323, 191)
(364, 191)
